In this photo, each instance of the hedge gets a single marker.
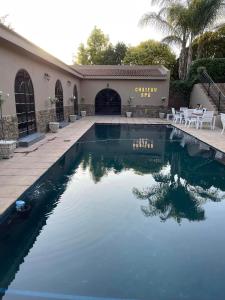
(180, 91)
(215, 68)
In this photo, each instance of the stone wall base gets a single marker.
(68, 110)
(43, 117)
(137, 111)
(90, 109)
(144, 111)
(10, 128)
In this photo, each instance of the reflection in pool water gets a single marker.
(130, 212)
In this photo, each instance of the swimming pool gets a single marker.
(129, 212)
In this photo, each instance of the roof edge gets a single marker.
(49, 57)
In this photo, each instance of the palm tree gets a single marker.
(183, 21)
(172, 19)
(203, 15)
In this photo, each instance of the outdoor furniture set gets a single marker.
(195, 117)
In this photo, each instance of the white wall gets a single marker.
(199, 96)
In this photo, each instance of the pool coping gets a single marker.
(68, 136)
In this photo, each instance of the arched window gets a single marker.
(59, 104)
(108, 102)
(25, 104)
(75, 96)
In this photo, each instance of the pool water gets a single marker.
(129, 212)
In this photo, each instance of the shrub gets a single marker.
(180, 91)
(215, 67)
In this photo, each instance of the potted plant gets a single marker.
(162, 114)
(7, 147)
(53, 126)
(129, 103)
(73, 118)
(83, 112)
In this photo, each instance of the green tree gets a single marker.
(182, 21)
(108, 56)
(150, 53)
(114, 55)
(210, 44)
(120, 51)
(97, 44)
(100, 51)
(203, 14)
(82, 55)
(172, 19)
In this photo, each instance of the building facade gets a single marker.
(34, 79)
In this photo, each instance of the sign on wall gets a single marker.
(145, 92)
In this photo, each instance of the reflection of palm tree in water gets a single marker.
(173, 197)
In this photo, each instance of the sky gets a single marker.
(60, 26)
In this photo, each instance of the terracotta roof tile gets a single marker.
(121, 71)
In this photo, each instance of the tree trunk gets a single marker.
(182, 58)
(189, 58)
(182, 65)
(200, 48)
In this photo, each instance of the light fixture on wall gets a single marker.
(47, 76)
(68, 82)
(72, 98)
(107, 85)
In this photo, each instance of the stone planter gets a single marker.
(73, 118)
(53, 127)
(83, 113)
(161, 115)
(128, 114)
(7, 149)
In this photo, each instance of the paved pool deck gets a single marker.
(28, 164)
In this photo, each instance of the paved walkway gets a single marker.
(20, 172)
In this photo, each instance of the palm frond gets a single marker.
(204, 14)
(157, 20)
(163, 2)
(172, 40)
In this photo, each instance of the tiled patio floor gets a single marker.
(28, 164)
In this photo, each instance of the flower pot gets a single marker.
(128, 114)
(162, 115)
(53, 127)
(7, 149)
(83, 113)
(73, 118)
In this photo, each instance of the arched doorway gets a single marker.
(108, 102)
(75, 97)
(25, 104)
(59, 104)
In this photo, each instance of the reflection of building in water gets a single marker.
(142, 143)
(119, 147)
(125, 139)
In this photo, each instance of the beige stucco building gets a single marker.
(34, 79)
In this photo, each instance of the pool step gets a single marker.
(30, 139)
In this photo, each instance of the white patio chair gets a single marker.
(189, 119)
(176, 116)
(182, 109)
(223, 122)
(207, 118)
